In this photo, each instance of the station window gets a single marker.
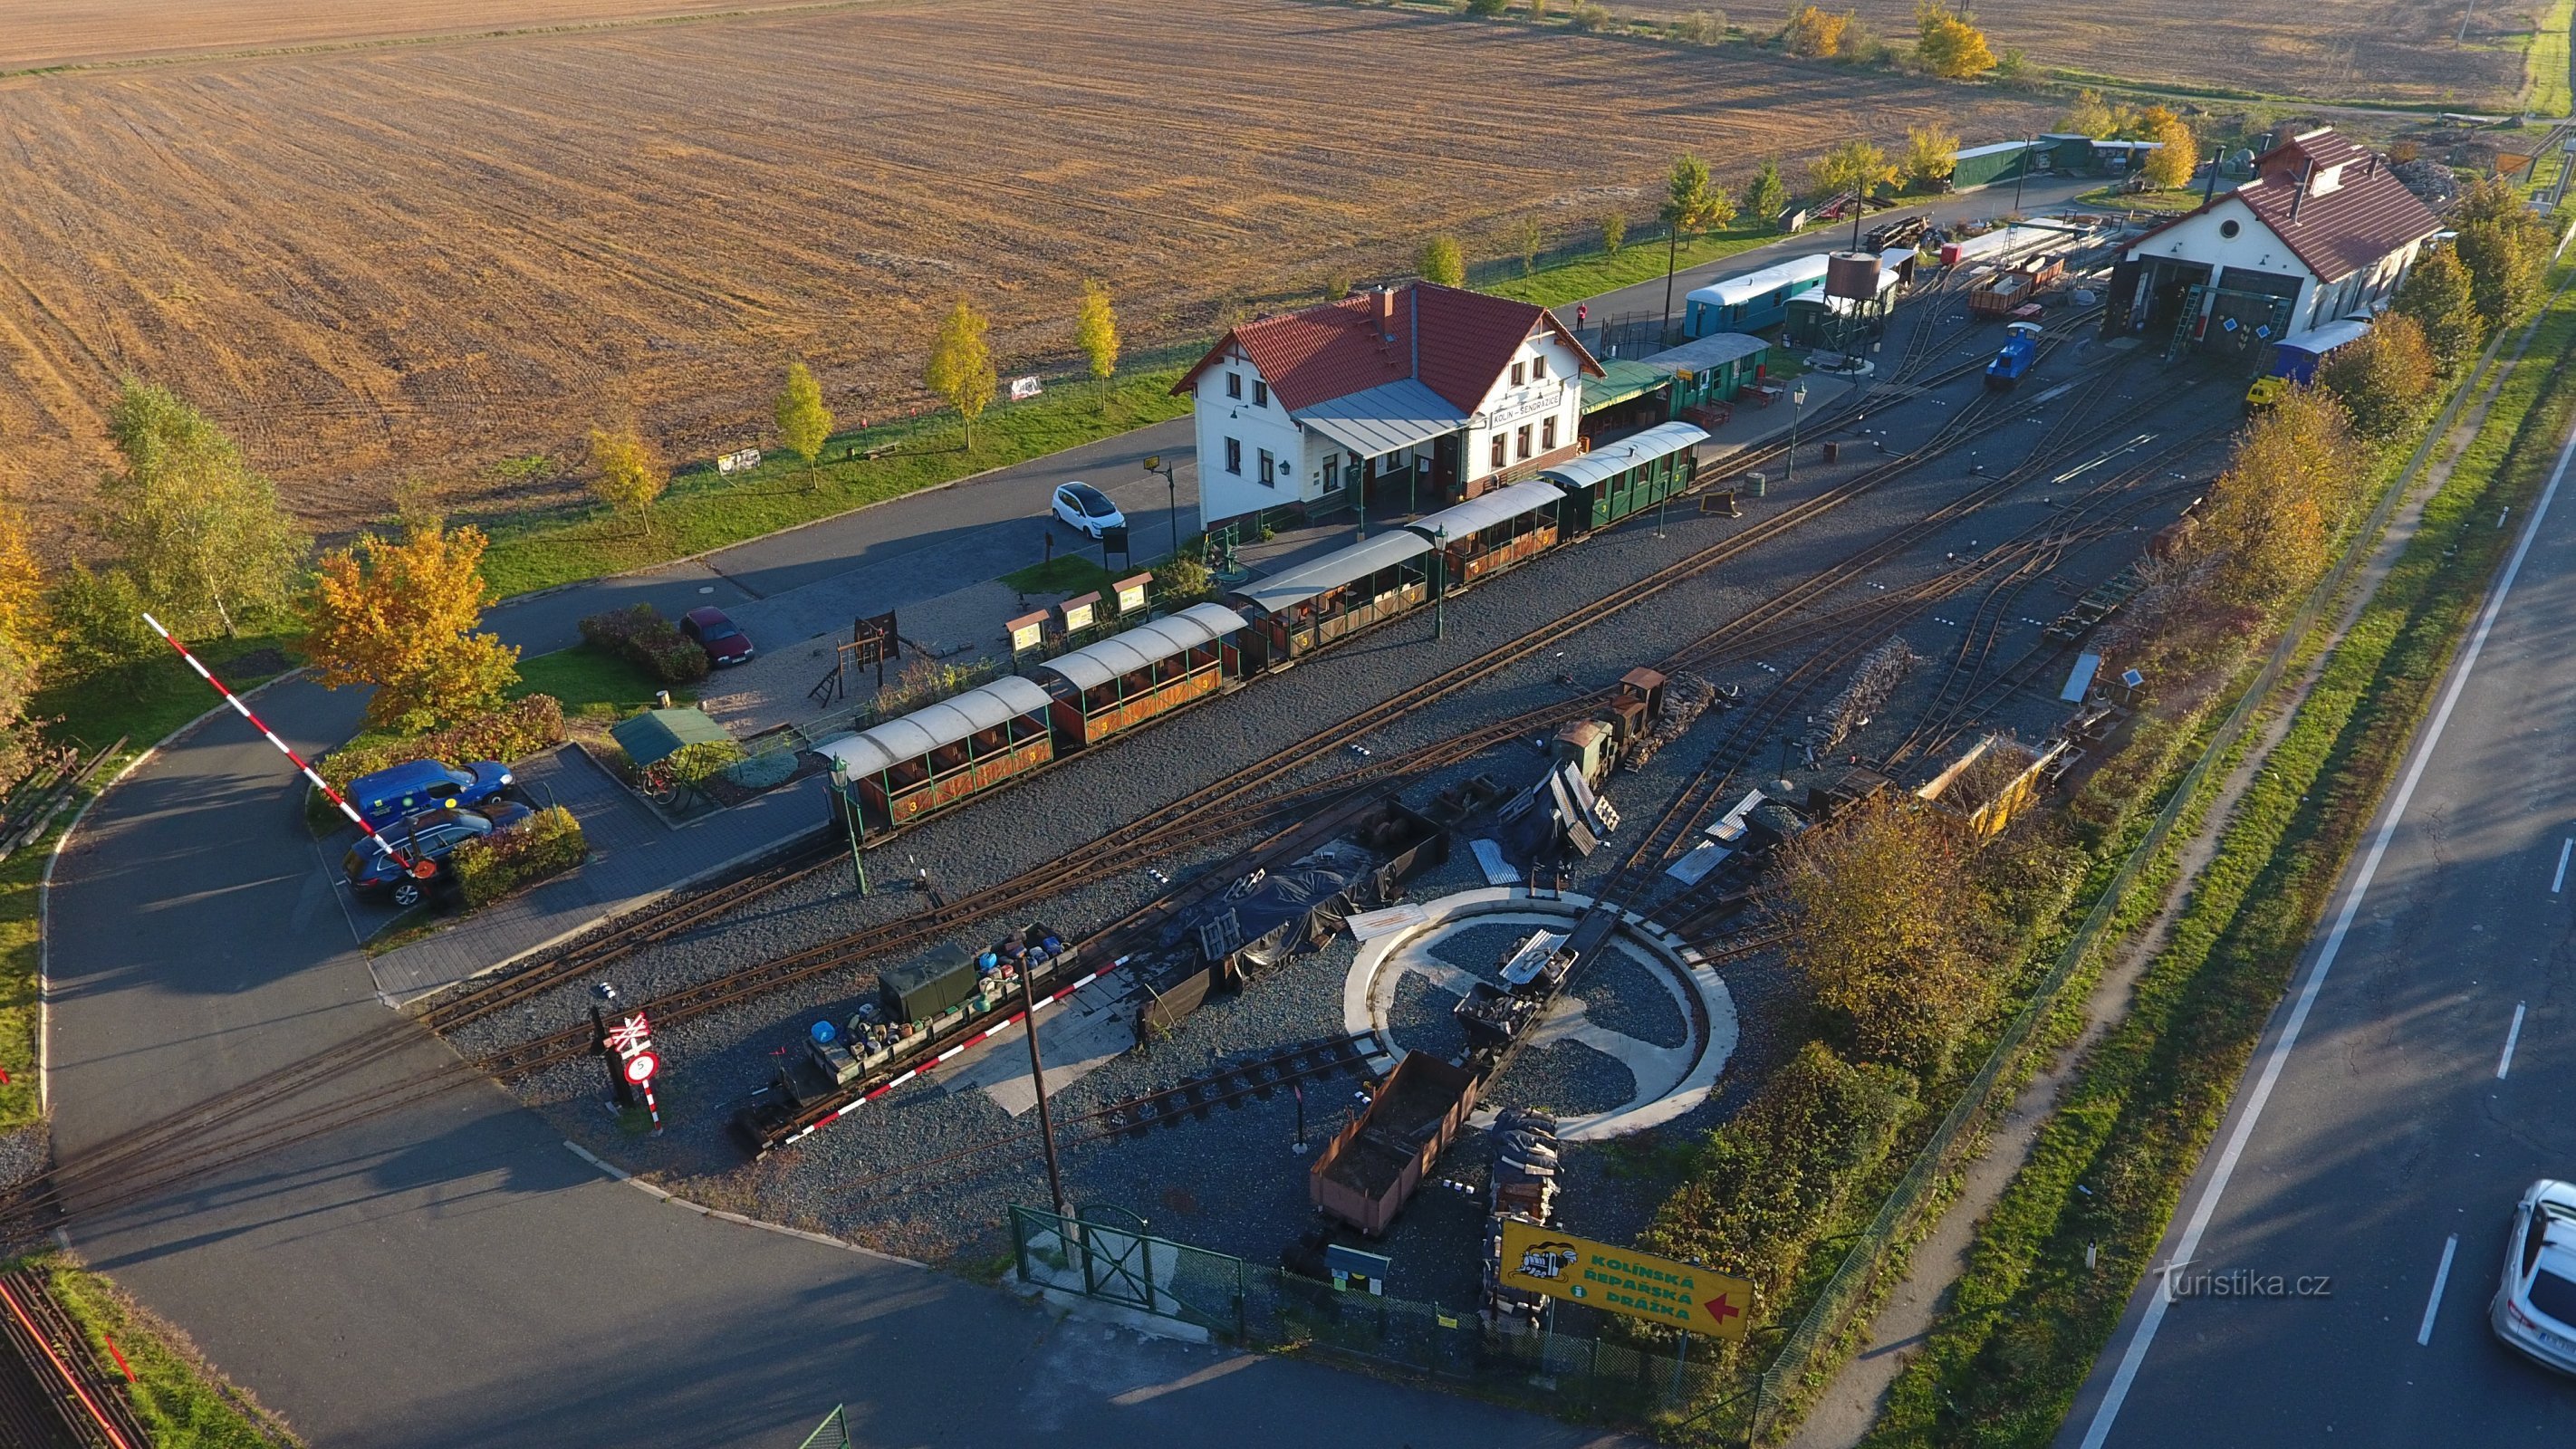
(1520, 373)
(1333, 473)
(1547, 436)
(1269, 470)
(1234, 456)
(1498, 449)
(1538, 368)
(1234, 384)
(1521, 438)
(1260, 393)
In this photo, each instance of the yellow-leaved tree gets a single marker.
(2177, 152)
(1813, 33)
(1883, 923)
(627, 472)
(961, 366)
(1095, 327)
(1929, 150)
(1950, 44)
(2272, 515)
(401, 616)
(804, 423)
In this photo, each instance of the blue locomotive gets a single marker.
(2020, 350)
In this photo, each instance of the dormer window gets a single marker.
(2328, 178)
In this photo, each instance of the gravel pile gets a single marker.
(1233, 1183)
(24, 1154)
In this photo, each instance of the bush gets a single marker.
(655, 645)
(696, 763)
(1586, 16)
(546, 844)
(1185, 579)
(1701, 27)
(1770, 1183)
(1485, 7)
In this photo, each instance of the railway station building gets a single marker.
(1398, 399)
(2323, 231)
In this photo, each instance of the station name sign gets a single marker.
(1559, 1265)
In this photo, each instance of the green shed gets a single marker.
(1711, 369)
(657, 734)
(1986, 165)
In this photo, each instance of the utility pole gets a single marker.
(2021, 173)
(1172, 493)
(1037, 1079)
(1672, 254)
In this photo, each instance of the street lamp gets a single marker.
(1797, 403)
(1439, 595)
(1172, 491)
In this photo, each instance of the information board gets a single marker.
(1559, 1265)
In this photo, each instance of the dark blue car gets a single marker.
(397, 792)
(432, 837)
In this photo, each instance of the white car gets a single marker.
(1086, 509)
(2535, 1308)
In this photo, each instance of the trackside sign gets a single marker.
(1578, 1270)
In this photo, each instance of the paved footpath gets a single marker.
(447, 1273)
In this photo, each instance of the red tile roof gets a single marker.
(2338, 232)
(1339, 348)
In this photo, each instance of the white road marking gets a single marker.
(2135, 1356)
(2512, 1034)
(2441, 1277)
(2558, 882)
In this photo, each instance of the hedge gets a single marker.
(641, 634)
(512, 732)
(546, 844)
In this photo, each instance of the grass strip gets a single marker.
(707, 510)
(2545, 79)
(2027, 1318)
(179, 1396)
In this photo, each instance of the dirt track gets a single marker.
(424, 259)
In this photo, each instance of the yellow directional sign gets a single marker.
(1622, 1280)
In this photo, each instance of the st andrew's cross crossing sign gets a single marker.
(1558, 1265)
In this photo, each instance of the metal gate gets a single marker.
(1105, 1254)
(1117, 1263)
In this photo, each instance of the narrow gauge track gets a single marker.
(179, 1145)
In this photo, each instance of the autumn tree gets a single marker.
(627, 472)
(1095, 328)
(1951, 45)
(97, 622)
(1701, 27)
(1614, 232)
(1440, 261)
(960, 369)
(201, 533)
(804, 423)
(2095, 117)
(401, 617)
(2438, 294)
(1527, 240)
(2505, 246)
(1814, 34)
(1883, 913)
(1691, 205)
(22, 588)
(2288, 486)
(1766, 195)
(2385, 379)
(1855, 167)
(1929, 150)
(2177, 152)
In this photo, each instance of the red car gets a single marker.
(720, 636)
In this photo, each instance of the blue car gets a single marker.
(397, 792)
(431, 837)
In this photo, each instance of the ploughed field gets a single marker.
(92, 32)
(2328, 50)
(423, 260)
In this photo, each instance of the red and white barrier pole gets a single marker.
(319, 783)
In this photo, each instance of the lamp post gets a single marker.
(850, 822)
(1172, 491)
(1797, 404)
(1439, 595)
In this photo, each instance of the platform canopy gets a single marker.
(1144, 646)
(1487, 509)
(1282, 592)
(1387, 418)
(1632, 451)
(1620, 380)
(933, 726)
(1717, 349)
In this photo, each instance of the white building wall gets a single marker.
(1253, 426)
(1506, 409)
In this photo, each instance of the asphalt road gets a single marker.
(2380, 1131)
